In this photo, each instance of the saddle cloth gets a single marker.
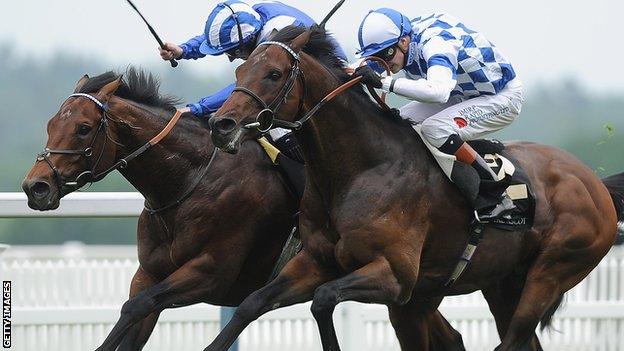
(511, 179)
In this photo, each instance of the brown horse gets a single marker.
(381, 223)
(216, 246)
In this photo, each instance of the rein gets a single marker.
(87, 152)
(265, 119)
(92, 177)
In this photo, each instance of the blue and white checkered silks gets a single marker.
(221, 31)
(381, 29)
(477, 64)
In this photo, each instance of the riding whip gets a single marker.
(174, 63)
(331, 13)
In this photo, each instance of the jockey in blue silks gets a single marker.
(235, 28)
(462, 86)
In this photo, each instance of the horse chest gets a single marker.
(158, 262)
(161, 253)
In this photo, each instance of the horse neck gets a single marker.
(165, 170)
(345, 138)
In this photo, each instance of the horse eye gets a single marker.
(275, 76)
(83, 129)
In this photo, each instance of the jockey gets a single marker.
(462, 86)
(235, 28)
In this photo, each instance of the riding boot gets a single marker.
(464, 153)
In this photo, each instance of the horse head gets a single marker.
(80, 144)
(269, 84)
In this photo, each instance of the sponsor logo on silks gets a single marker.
(6, 314)
(473, 114)
(461, 122)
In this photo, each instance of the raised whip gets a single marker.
(174, 63)
(331, 13)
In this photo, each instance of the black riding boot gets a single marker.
(454, 145)
(505, 205)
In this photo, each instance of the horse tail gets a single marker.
(546, 320)
(615, 185)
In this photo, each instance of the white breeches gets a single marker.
(471, 119)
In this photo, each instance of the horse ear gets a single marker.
(109, 89)
(80, 83)
(301, 41)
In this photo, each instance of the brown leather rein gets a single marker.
(90, 175)
(265, 119)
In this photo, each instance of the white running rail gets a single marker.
(68, 297)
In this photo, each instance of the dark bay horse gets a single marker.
(381, 223)
(217, 246)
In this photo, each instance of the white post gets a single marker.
(353, 327)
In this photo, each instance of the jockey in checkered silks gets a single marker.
(235, 28)
(462, 86)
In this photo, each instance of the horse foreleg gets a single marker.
(373, 283)
(191, 283)
(443, 336)
(139, 333)
(295, 284)
(419, 326)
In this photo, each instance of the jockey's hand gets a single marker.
(369, 76)
(170, 51)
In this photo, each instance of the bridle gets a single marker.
(91, 177)
(87, 152)
(265, 119)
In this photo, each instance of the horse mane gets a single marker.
(322, 47)
(142, 87)
(137, 85)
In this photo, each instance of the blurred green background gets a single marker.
(562, 114)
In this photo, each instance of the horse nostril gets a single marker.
(224, 125)
(40, 189)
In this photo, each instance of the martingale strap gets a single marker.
(200, 175)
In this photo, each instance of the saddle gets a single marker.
(512, 179)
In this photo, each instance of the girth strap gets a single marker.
(476, 235)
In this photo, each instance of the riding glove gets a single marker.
(369, 76)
